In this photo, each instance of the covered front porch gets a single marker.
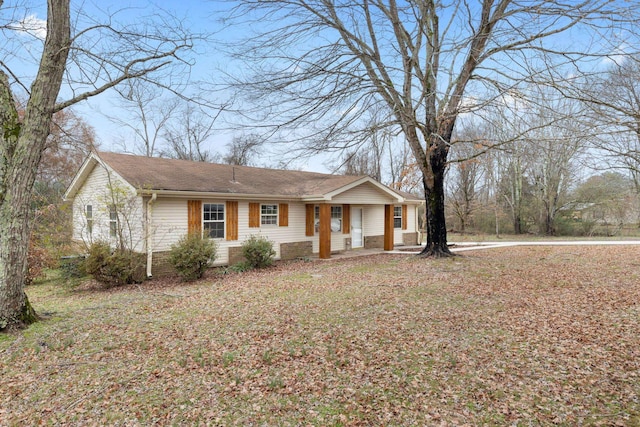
(362, 227)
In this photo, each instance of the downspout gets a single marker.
(153, 198)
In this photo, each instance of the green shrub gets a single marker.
(191, 256)
(258, 251)
(114, 268)
(241, 267)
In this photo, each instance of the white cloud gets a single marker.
(618, 56)
(31, 25)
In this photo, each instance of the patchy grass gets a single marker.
(514, 336)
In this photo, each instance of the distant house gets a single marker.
(150, 203)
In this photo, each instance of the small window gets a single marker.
(397, 217)
(113, 220)
(336, 219)
(88, 213)
(269, 215)
(213, 220)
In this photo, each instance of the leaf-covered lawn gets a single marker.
(515, 336)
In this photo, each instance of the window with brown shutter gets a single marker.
(254, 215)
(283, 212)
(194, 216)
(310, 218)
(404, 217)
(232, 221)
(346, 219)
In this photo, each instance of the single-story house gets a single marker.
(150, 203)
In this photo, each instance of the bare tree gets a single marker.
(465, 172)
(189, 131)
(321, 64)
(90, 57)
(509, 164)
(148, 113)
(242, 150)
(614, 99)
(558, 144)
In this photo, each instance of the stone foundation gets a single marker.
(295, 250)
(374, 242)
(410, 239)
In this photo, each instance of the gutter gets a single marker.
(180, 194)
(153, 198)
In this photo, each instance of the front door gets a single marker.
(356, 228)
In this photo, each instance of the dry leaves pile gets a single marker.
(514, 336)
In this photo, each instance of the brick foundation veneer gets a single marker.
(235, 255)
(295, 250)
(347, 244)
(410, 239)
(374, 242)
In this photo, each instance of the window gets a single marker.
(113, 220)
(269, 215)
(88, 213)
(336, 219)
(213, 220)
(397, 217)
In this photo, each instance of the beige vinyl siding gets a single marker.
(364, 194)
(373, 220)
(95, 192)
(411, 225)
(87, 195)
(170, 223)
(337, 242)
(294, 232)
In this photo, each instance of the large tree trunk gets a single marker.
(434, 197)
(20, 154)
(15, 309)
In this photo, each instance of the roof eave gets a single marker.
(85, 169)
(216, 195)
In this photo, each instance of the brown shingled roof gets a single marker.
(181, 175)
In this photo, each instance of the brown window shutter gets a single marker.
(310, 218)
(232, 221)
(194, 216)
(254, 215)
(346, 219)
(283, 215)
(404, 217)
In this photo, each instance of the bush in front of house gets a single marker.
(72, 267)
(192, 255)
(114, 268)
(258, 251)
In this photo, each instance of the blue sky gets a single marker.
(208, 60)
(199, 16)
